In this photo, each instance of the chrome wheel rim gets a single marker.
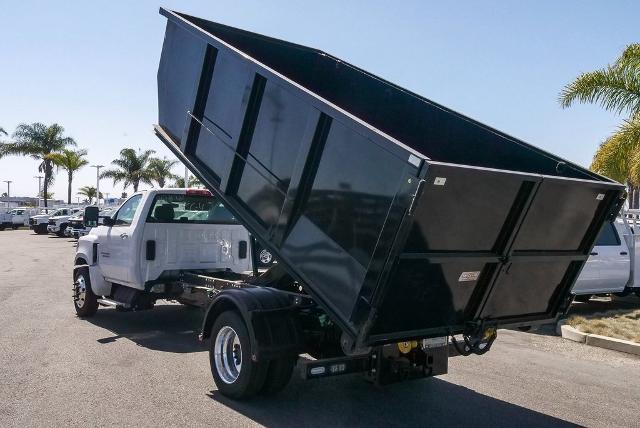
(227, 355)
(81, 291)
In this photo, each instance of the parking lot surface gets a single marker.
(147, 369)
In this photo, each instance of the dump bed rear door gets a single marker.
(489, 245)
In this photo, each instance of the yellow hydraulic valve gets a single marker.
(406, 347)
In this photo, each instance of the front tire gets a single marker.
(85, 302)
(235, 373)
(40, 230)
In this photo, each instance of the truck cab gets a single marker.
(155, 235)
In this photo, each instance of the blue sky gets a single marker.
(91, 65)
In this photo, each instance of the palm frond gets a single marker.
(614, 88)
(630, 58)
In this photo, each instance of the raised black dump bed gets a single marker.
(401, 218)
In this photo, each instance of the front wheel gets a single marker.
(234, 371)
(85, 302)
(41, 230)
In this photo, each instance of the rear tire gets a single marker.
(278, 375)
(85, 302)
(235, 373)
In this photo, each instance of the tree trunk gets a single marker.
(633, 196)
(48, 171)
(135, 186)
(69, 188)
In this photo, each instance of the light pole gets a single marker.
(186, 177)
(39, 177)
(8, 190)
(97, 167)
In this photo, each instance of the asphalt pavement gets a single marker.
(147, 369)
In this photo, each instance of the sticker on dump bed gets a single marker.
(469, 276)
(439, 181)
(414, 160)
(600, 197)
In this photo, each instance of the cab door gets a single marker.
(614, 258)
(118, 255)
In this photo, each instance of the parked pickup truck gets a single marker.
(15, 218)
(59, 221)
(39, 222)
(613, 266)
(76, 227)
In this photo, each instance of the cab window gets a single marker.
(190, 209)
(124, 216)
(608, 236)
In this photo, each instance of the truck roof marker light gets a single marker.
(199, 192)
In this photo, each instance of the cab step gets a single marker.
(108, 302)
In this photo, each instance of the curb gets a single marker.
(611, 343)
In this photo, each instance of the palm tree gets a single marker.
(131, 168)
(71, 161)
(160, 170)
(616, 88)
(193, 182)
(38, 141)
(88, 191)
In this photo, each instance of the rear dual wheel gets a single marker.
(234, 371)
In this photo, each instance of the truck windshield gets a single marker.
(195, 209)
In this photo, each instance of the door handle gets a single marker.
(124, 236)
(623, 253)
(592, 254)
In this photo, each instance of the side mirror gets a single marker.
(108, 221)
(90, 218)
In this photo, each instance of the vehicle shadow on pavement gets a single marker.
(166, 328)
(350, 401)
